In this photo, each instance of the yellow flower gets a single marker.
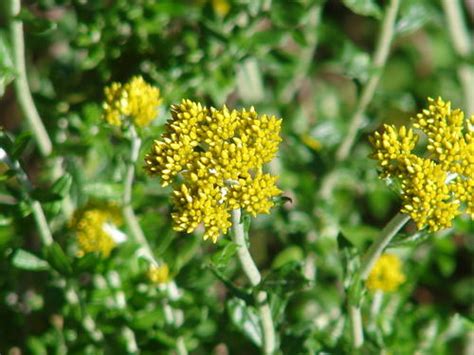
(96, 228)
(158, 274)
(221, 7)
(219, 155)
(439, 186)
(136, 101)
(387, 274)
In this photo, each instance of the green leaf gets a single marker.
(25, 260)
(414, 15)
(7, 68)
(360, 235)
(62, 186)
(343, 242)
(58, 260)
(104, 190)
(287, 279)
(249, 81)
(20, 144)
(410, 240)
(6, 142)
(87, 262)
(146, 319)
(233, 289)
(291, 254)
(364, 7)
(245, 318)
(36, 24)
(220, 259)
(43, 195)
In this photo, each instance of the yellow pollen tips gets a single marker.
(439, 185)
(387, 274)
(94, 226)
(135, 101)
(219, 155)
(158, 274)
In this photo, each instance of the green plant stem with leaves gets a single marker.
(46, 236)
(463, 46)
(252, 273)
(22, 89)
(25, 99)
(37, 211)
(367, 263)
(380, 58)
(173, 316)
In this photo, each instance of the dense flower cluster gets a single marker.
(136, 101)
(387, 274)
(438, 187)
(159, 274)
(219, 155)
(96, 228)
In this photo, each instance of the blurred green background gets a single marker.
(304, 61)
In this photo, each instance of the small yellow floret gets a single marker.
(90, 227)
(136, 101)
(387, 274)
(159, 274)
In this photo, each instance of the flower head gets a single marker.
(136, 101)
(219, 155)
(387, 274)
(438, 186)
(158, 274)
(96, 228)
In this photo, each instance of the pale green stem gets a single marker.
(380, 57)
(367, 263)
(25, 100)
(356, 326)
(173, 316)
(129, 215)
(37, 211)
(374, 251)
(252, 273)
(462, 44)
(22, 89)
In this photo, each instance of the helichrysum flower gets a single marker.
(387, 274)
(135, 101)
(219, 155)
(96, 228)
(158, 274)
(439, 185)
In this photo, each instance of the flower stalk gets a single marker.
(21, 86)
(367, 263)
(252, 273)
(173, 316)
(380, 58)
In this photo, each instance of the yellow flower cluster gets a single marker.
(159, 274)
(219, 155)
(94, 226)
(136, 101)
(387, 274)
(439, 186)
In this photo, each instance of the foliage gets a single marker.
(305, 61)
